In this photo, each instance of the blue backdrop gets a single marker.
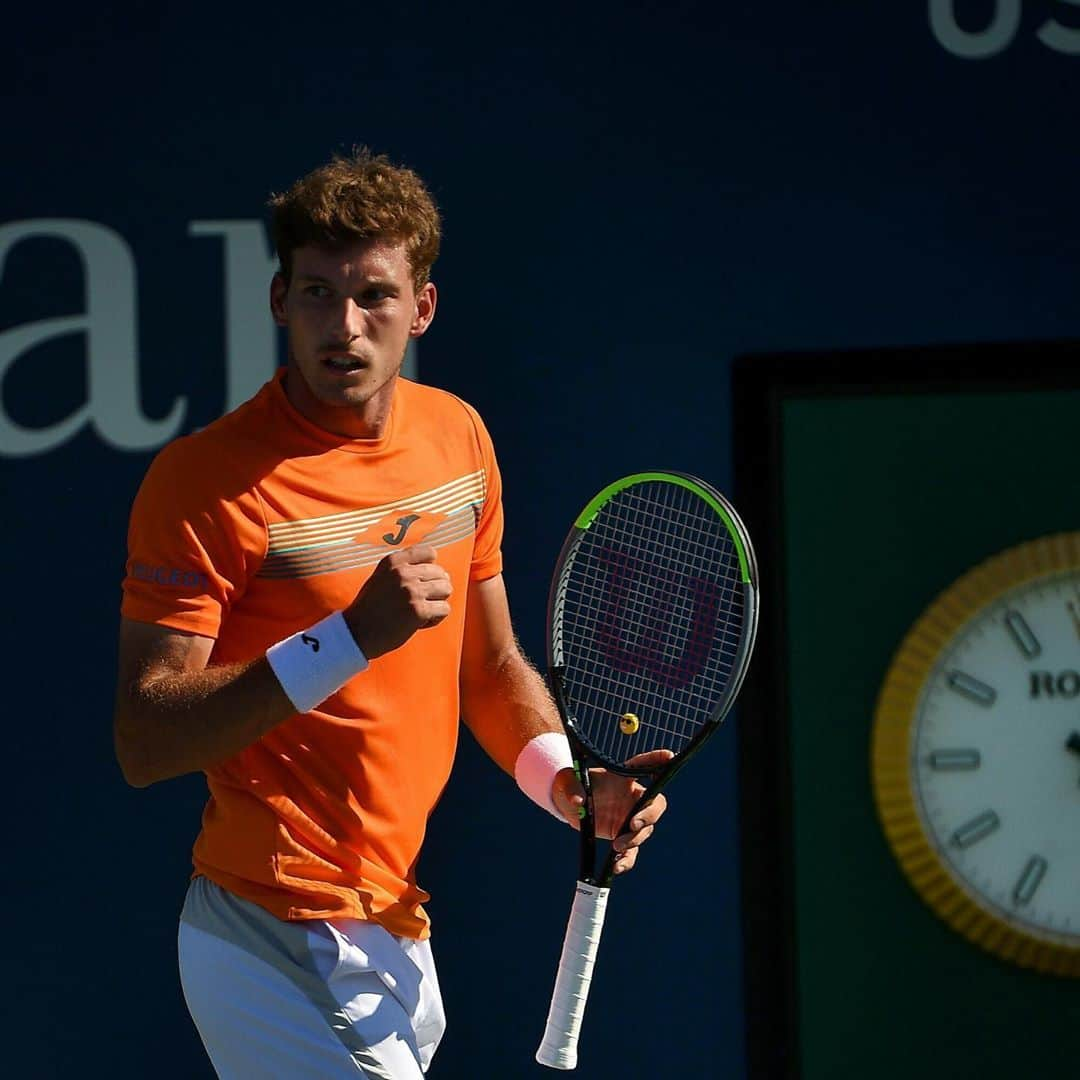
(633, 195)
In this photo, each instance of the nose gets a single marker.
(348, 319)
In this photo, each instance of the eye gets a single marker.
(373, 294)
(318, 291)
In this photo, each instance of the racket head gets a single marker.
(652, 617)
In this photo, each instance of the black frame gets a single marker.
(761, 384)
(582, 749)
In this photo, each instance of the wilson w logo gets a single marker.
(640, 631)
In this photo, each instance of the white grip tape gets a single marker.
(558, 1049)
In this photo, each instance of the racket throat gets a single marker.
(587, 849)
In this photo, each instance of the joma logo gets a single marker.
(403, 524)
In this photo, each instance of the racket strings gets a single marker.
(673, 718)
(649, 619)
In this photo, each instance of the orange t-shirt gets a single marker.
(259, 526)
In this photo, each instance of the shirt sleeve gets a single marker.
(487, 549)
(191, 548)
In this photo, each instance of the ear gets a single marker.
(425, 309)
(278, 290)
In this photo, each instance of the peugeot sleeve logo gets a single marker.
(307, 639)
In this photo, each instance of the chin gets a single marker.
(329, 392)
(344, 397)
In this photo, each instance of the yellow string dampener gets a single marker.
(629, 723)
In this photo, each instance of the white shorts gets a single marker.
(312, 999)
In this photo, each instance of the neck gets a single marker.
(366, 419)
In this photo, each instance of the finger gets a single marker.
(567, 784)
(433, 613)
(630, 840)
(647, 815)
(569, 796)
(437, 589)
(429, 571)
(625, 861)
(650, 813)
(650, 759)
(421, 553)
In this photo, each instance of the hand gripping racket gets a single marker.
(651, 617)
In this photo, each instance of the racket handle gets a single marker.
(558, 1049)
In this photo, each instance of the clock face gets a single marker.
(976, 755)
(996, 757)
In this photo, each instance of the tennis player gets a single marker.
(313, 594)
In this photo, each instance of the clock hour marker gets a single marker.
(954, 760)
(1021, 633)
(976, 829)
(1029, 880)
(971, 688)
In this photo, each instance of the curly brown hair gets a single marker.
(357, 198)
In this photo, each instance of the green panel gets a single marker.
(887, 501)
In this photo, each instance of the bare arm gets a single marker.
(505, 703)
(504, 700)
(176, 715)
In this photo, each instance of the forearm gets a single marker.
(177, 714)
(190, 721)
(505, 704)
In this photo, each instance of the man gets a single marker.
(314, 587)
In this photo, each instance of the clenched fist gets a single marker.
(408, 591)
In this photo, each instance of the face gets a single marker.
(349, 313)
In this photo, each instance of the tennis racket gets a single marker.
(651, 619)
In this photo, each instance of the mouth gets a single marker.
(343, 363)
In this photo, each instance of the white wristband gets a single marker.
(540, 759)
(317, 662)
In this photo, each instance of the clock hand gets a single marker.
(1073, 742)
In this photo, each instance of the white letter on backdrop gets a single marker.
(250, 335)
(1062, 39)
(980, 44)
(109, 323)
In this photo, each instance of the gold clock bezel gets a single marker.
(891, 764)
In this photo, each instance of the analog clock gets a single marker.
(976, 755)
